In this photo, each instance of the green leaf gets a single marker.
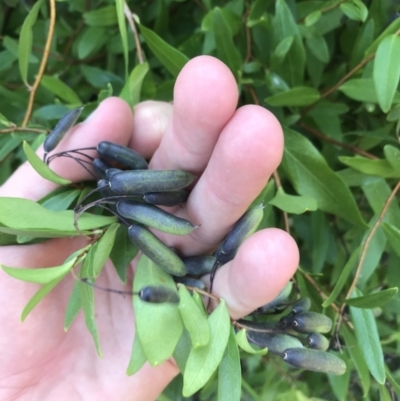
(120, 4)
(374, 300)
(379, 167)
(241, 339)
(203, 361)
(293, 204)
(103, 249)
(182, 350)
(300, 96)
(318, 47)
(73, 307)
(131, 90)
(393, 236)
(25, 41)
(159, 326)
(105, 16)
(42, 168)
(226, 48)
(92, 39)
(282, 49)
(138, 357)
(351, 11)
(391, 29)
(311, 176)
(392, 155)
(86, 292)
(377, 191)
(386, 72)
(384, 394)
(284, 25)
(60, 201)
(353, 347)
(229, 372)
(363, 90)
(392, 381)
(172, 59)
(367, 335)
(123, 252)
(39, 296)
(25, 215)
(363, 9)
(342, 280)
(193, 318)
(312, 18)
(39, 275)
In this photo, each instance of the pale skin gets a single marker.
(232, 151)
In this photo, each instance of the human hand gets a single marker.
(233, 152)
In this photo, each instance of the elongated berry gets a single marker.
(154, 217)
(156, 250)
(62, 127)
(191, 282)
(275, 342)
(142, 181)
(244, 227)
(270, 307)
(122, 154)
(171, 198)
(315, 360)
(158, 294)
(199, 265)
(318, 341)
(302, 305)
(307, 322)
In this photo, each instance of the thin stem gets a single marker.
(340, 82)
(353, 149)
(369, 238)
(128, 15)
(23, 129)
(43, 63)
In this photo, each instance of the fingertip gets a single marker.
(150, 119)
(263, 265)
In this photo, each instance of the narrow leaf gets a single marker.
(42, 168)
(103, 249)
(39, 296)
(229, 372)
(120, 4)
(311, 176)
(159, 326)
(122, 252)
(353, 347)
(138, 357)
(392, 155)
(39, 275)
(386, 72)
(131, 90)
(193, 318)
(60, 89)
(299, 96)
(367, 335)
(203, 361)
(379, 167)
(374, 300)
(25, 41)
(73, 307)
(342, 280)
(363, 90)
(393, 236)
(172, 59)
(293, 204)
(87, 298)
(226, 48)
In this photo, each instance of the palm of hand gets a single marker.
(234, 152)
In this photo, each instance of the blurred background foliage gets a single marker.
(329, 71)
